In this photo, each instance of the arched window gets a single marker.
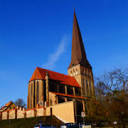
(84, 88)
(90, 87)
(87, 87)
(69, 90)
(37, 92)
(31, 94)
(31, 89)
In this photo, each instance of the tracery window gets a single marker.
(87, 87)
(90, 87)
(84, 87)
(37, 92)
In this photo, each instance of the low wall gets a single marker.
(40, 111)
(63, 111)
(12, 114)
(4, 115)
(30, 113)
(20, 113)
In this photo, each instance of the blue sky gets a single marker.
(39, 33)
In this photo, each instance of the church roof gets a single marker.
(78, 51)
(40, 73)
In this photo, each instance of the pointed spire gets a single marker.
(78, 51)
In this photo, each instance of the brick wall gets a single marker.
(64, 111)
(12, 114)
(4, 115)
(20, 113)
(30, 113)
(40, 111)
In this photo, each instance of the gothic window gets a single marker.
(44, 90)
(62, 89)
(84, 88)
(77, 91)
(84, 71)
(30, 95)
(70, 90)
(34, 93)
(53, 86)
(87, 87)
(37, 92)
(31, 89)
(90, 87)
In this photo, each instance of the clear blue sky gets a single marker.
(39, 33)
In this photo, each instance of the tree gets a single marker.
(111, 91)
(20, 102)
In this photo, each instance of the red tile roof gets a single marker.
(7, 106)
(9, 103)
(40, 73)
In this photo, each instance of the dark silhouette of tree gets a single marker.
(20, 102)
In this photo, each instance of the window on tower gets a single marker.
(84, 88)
(90, 87)
(87, 87)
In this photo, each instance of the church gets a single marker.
(48, 88)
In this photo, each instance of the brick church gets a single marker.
(48, 88)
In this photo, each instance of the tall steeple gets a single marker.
(78, 51)
(79, 67)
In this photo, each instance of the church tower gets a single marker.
(80, 67)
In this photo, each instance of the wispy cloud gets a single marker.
(54, 57)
